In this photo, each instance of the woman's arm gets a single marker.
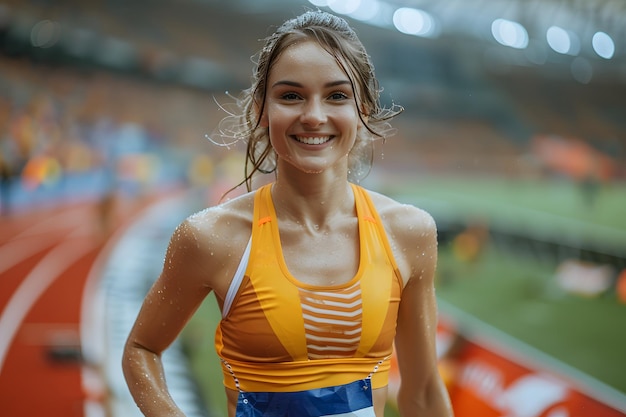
(168, 306)
(422, 392)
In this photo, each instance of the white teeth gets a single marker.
(313, 141)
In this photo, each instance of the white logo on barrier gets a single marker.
(530, 395)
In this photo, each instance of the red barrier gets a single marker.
(483, 383)
(490, 385)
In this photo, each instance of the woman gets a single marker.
(316, 277)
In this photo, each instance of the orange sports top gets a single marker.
(280, 335)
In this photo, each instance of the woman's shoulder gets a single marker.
(412, 234)
(231, 217)
(398, 216)
(224, 225)
(207, 245)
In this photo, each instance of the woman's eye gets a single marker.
(338, 96)
(290, 96)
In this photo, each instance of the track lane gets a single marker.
(44, 257)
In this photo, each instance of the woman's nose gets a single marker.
(313, 113)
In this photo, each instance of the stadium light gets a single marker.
(344, 6)
(563, 41)
(414, 22)
(509, 33)
(603, 45)
(367, 10)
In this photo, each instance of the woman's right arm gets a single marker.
(168, 306)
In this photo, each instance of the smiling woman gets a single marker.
(317, 278)
(341, 44)
(312, 116)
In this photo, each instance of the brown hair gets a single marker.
(340, 40)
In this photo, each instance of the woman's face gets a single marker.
(310, 110)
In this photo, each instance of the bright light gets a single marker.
(563, 41)
(558, 39)
(509, 33)
(367, 10)
(344, 6)
(603, 45)
(414, 22)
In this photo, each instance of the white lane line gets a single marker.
(69, 218)
(93, 328)
(91, 315)
(35, 284)
(30, 241)
(16, 251)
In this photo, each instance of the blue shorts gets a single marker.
(349, 400)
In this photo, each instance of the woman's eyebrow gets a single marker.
(299, 85)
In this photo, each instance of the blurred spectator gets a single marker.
(73, 134)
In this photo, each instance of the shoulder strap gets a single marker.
(378, 278)
(277, 298)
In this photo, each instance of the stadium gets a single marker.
(513, 138)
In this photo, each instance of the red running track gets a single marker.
(46, 259)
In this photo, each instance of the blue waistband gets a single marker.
(353, 399)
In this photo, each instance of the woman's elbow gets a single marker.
(432, 400)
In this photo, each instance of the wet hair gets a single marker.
(336, 36)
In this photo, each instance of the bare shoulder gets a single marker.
(227, 223)
(412, 235)
(403, 219)
(207, 246)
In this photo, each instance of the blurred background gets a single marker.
(513, 137)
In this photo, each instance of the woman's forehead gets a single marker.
(307, 59)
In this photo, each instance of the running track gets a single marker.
(45, 258)
(48, 265)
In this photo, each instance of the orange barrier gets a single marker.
(484, 383)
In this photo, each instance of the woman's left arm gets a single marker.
(422, 392)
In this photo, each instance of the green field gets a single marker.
(521, 299)
(510, 295)
(515, 292)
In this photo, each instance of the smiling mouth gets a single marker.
(319, 140)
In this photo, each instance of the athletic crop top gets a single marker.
(274, 328)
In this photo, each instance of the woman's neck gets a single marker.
(312, 199)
